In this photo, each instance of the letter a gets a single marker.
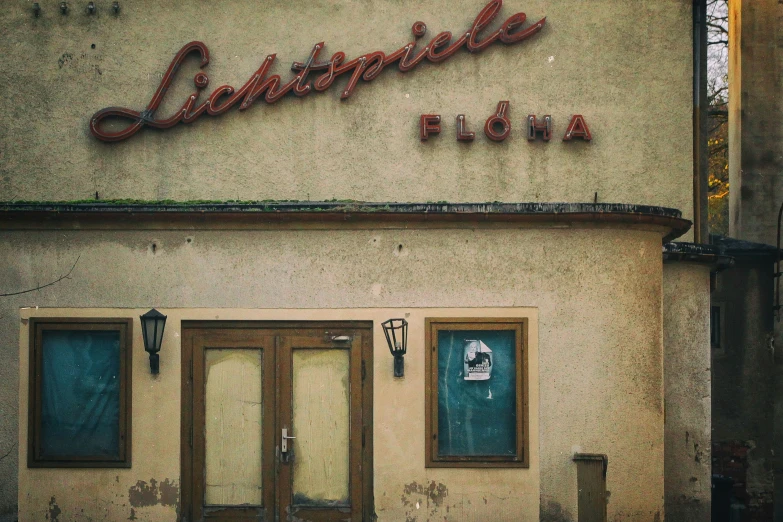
(577, 129)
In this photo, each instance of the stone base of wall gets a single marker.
(732, 459)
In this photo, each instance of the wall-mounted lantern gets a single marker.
(152, 325)
(396, 331)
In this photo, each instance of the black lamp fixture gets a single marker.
(152, 325)
(396, 331)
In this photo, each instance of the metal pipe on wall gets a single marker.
(700, 156)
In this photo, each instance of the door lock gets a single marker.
(284, 441)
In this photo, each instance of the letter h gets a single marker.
(533, 128)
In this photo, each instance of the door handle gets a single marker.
(284, 441)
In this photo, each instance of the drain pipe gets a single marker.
(776, 308)
(700, 154)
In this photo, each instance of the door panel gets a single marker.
(231, 397)
(321, 422)
(234, 423)
(320, 478)
(243, 389)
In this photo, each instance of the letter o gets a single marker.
(499, 119)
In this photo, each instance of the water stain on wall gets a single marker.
(552, 511)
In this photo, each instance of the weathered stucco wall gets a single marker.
(404, 489)
(744, 383)
(755, 124)
(597, 294)
(686, 349)
(624, 64)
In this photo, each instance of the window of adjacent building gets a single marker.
(80, 393)
(477, 392)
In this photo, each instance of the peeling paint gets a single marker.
(435, 492)
(698, 454)
(169, 493)
(54, 511)
(142, 495)
(155, 493)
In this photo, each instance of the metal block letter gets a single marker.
(577, 129)
(498, 126)
(534, 127)
(429, 124)
(462, 133)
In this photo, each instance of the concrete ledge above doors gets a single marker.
(137, 214)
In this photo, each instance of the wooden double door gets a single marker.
(276, 421)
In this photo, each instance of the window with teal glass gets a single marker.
(79, 409)
(477, 392)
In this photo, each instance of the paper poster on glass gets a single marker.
(478, 360)
(476, 392)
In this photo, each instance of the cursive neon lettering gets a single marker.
(483, 19)
(366, 67)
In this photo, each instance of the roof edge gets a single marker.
(698, 253)
(47, 213)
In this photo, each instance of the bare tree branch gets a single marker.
(717, 27)
(39, 287)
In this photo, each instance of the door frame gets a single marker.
(364, 431)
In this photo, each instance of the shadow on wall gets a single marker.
(552, 511)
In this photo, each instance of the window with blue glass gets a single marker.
(80, 393)
(477, 401)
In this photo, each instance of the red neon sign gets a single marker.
(366, 67)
